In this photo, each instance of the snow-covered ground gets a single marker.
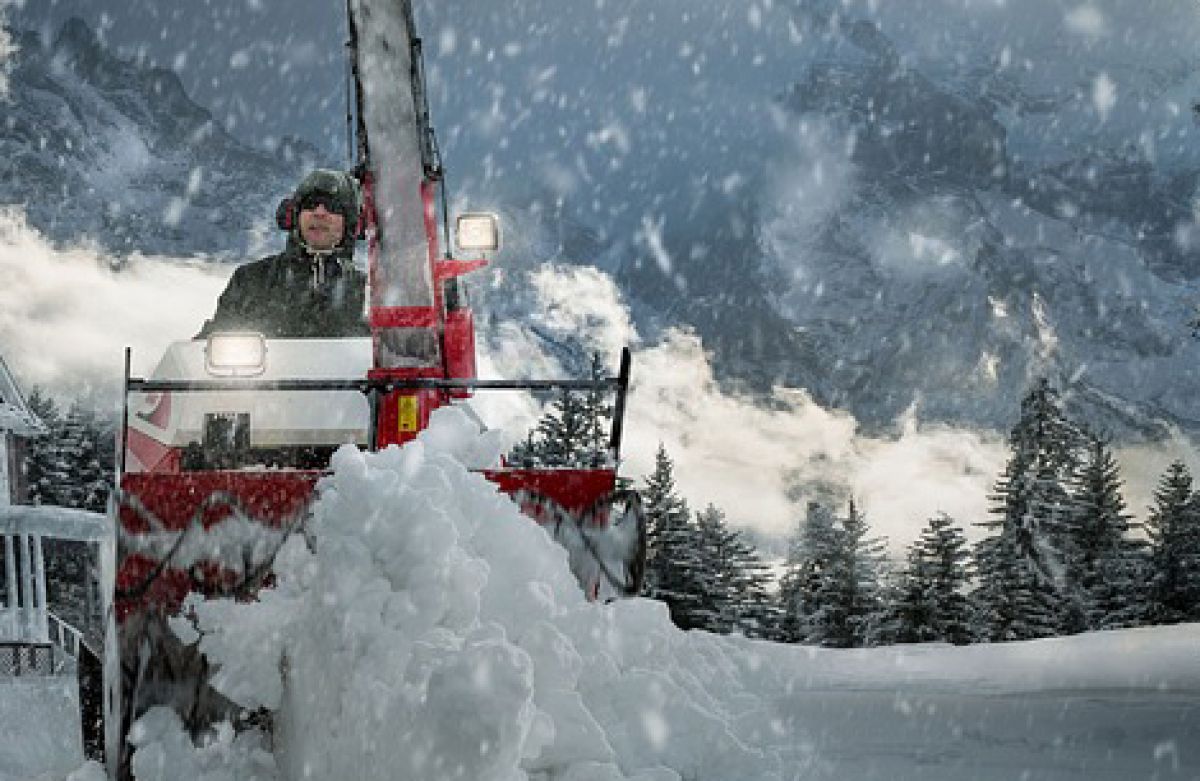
(433, 632)
(40, 736)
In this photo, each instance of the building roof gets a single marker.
(15, 413)
(62, 523)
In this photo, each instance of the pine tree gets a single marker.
(1020, 565)
(572, 432)
(735, 593)
(562, 431)
(71, 466)
(755, 613)
(598, 418)
(1106, 568)
(931, 601)
(673, 567)
(1174, 532)
(82, 441)
(810, 555)
(863, 561)
(831, 591)
(716, 598)
(524, 454)
(46, 470)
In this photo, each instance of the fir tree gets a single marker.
(572, 432)
(811, 552)
(82, 440)
(562, 431)
(755, 612)
(1174, 532)
(598, 419)
(931, 601)
(831, 591)
(735, 587)
(863, 562)
(71, 466)
(1020, 565)
(716, 599)
(524, 454)
(46, 470)
(1105, 567)
(673, 567)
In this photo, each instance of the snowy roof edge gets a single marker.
(64, 523)
(20, 417)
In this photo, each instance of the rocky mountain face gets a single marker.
(913, 251)
(101, 149)
(913, 259)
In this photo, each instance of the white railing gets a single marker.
(22, 625)
(10, 619)
(63, 635)
(21, 659)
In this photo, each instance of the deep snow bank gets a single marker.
(427, 630)
(432, 631)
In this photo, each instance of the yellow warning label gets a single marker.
(406, 414)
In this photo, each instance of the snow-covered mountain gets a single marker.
(918, 249)
(889, 230)
(110, 151)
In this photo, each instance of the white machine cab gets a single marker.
(252, 422)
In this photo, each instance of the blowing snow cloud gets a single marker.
(67, 314)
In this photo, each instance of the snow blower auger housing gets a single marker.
(223, 446)
(217, 473)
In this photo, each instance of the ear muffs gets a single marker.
(360, 226)
(285, 214)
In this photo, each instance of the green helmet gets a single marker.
(339, 188)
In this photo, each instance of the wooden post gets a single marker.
(41, 619)
(8, 488)
(10, 570)
(25, 592)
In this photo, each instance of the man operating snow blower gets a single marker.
(225, 445)
(312, 288)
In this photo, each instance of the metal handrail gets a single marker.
(138, 384)
(63, 635)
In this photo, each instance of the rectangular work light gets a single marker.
(478, 232)
(235, 354)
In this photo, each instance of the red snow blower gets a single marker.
(223, 445)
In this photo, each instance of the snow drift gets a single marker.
(424, 628)
(40, 727)
(432, 631)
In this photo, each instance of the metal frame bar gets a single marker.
(618, 424)
(27, 601)
(373, 389)
(124, 418)
(140, 385)
(14, 600)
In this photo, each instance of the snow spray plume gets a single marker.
(66, 315)
(761, 462)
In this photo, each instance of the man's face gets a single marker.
(320, 228)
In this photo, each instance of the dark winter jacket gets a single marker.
(293, 295)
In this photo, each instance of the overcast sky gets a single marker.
(625, 109)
